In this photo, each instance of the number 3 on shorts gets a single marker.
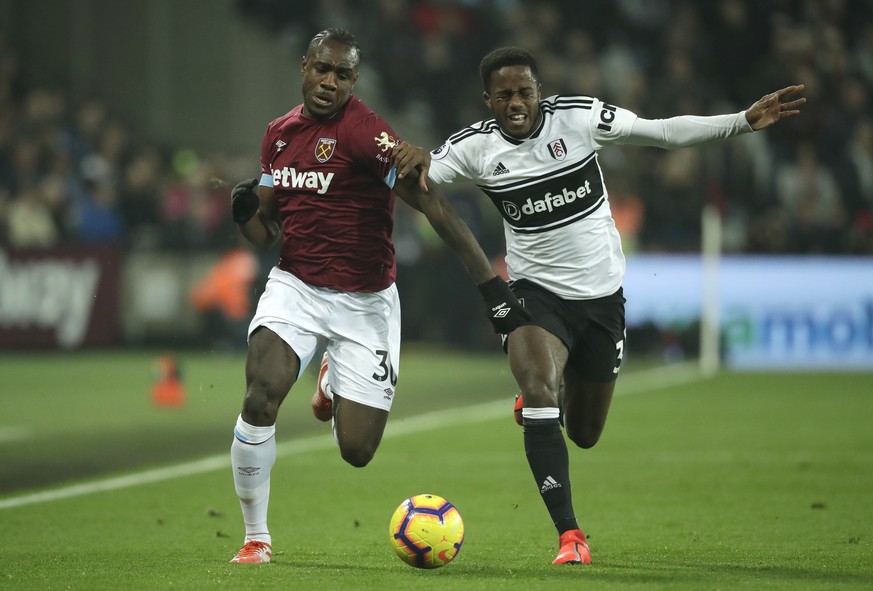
(619, 349)
(387, 370)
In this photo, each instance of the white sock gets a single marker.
(253, 453)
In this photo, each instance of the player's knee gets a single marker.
(258, 408)
(358, 456)
(584, 437)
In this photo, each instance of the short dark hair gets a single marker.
(340, 36)
(506, 56)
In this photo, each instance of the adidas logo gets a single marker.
(548, 484)
(499, 169)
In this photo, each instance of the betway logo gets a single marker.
(548, 203)
(289, 177)
(56, 294)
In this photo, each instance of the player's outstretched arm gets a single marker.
(447, 223)
(774, 107)
(504, 310)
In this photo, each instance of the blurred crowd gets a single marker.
(805, 186)
(76, 171)
(81, 173)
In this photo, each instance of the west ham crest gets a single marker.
(558, 149)
(324, 149)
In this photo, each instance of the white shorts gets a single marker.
(361, 332)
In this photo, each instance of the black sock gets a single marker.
(549, 462)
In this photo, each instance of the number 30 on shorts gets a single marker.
(386, 371)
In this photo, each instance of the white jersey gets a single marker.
(550, 190)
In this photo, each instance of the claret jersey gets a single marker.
(549, 189)
(333, 182)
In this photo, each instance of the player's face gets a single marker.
(514, 97)
(329, 74)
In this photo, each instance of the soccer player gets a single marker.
(327, 175)
(537, 162)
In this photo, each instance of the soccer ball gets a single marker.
(426, 531)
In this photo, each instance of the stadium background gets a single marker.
(123, 126)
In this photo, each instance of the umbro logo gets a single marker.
(500, 311)
(499, 169)
(548, 484)
(280, 145)
(248, 470)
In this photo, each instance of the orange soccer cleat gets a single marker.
(573, 548)
(254, 552)
(322, 405)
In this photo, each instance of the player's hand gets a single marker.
(773, 107)
(244, 201)
(408, 158)
(502, 307)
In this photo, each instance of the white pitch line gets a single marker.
(644, 381)
(14, 433)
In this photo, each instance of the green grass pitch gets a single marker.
(742, 481)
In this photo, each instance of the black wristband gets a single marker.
(493, 288)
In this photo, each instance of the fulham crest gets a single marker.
(558, 149)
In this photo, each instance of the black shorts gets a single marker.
(592, 330)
